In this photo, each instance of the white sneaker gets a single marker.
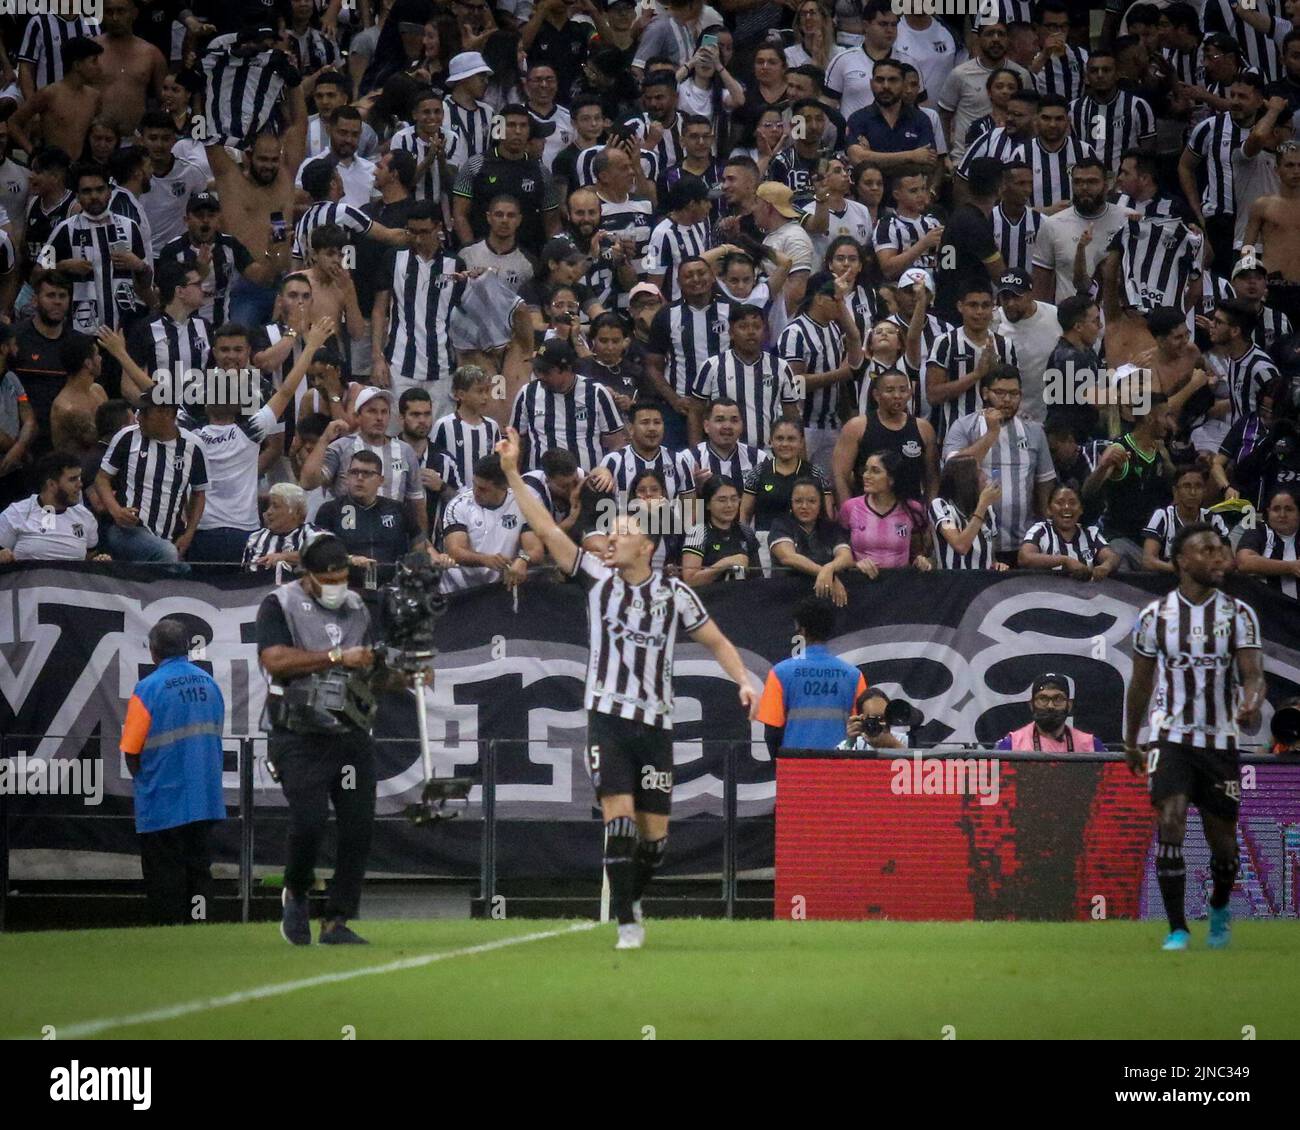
(630, 936)
(637, 916)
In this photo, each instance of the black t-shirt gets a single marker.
(719, 544)
(970, 235)
(565, 48)
(370, 252)
(772, 490)
(818, 545)
(382, 531)
(1135, 493)
(623, 380)
(1082, 419)
(38, 364)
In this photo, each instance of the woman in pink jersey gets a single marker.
(885, 531)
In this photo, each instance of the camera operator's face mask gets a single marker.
(1050, 711)
(330, 594)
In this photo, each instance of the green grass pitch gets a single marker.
(694, 979)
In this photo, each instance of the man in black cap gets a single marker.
(217, 256)
(1033, 329)
(559, 409)
(1051, 702)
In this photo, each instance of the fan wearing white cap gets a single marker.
(466, 112)
(327, 464)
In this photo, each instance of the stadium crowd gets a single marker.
(815, 287)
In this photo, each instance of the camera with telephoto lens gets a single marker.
(873, 726)
(412, 603)
(1286, 724)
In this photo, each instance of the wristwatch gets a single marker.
(290, 332)
(522, 556)
(336, 656)
(336, 400)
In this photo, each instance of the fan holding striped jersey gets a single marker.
(1199, 650)
(634, 615)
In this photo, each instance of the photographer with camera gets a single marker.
(879, 722)
(314, 641)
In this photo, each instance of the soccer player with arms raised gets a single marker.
(634, 614)
(1195, 648)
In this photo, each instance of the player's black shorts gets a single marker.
(1209, 778)
(630, 757)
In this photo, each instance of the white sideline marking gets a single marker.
(171, 1012)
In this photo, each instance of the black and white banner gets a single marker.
(962, 647)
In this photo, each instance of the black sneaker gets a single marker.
(295, 922)
(335, 932)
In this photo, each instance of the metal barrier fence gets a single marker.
(247, 749)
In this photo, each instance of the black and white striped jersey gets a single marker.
(1157, 208)
(959, 356)
(1268, 543)
(124, 202)
(1158, 259)
(633, 629)
(584, 166)
(819, 349)
(1084, 546)
(1247, 376)
(556, 505)
(155, 477)
(162, 344)
(759, 390)
(464, 443)
(423, 294)
(670, 244)
(1063, 74)
(627, 463)
(1004, 12)
(323, 212)
(1195, 647)
(262, 543)
(1165, 523)
(44, 38)
(898, 233)
(1049, 169)
(313, 49)
(1215, 140)
(1015, 238)
(429, 186)
(669, 150)
(981, 553)
(230, 258)
(1260, 49)
(686, 337)
(573, 421)
(632, 219)
(242, 92)
(1186, 65)
(1112, 128)
(41, 224)
(474, 126)
(108, 294)
(734, 468)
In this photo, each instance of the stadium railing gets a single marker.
(486, 808)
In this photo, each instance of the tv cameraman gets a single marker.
(314, 640)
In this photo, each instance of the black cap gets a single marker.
(255, 31)
(1014, 282)
(555, 354)
(540, 129)
(561, 249)
(1049, 679)
(203, 202)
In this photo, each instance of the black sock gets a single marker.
(1172, 877)
(620, 847)
(1224, 872)
(649, 856)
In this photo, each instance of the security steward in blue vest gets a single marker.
(314, 640)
